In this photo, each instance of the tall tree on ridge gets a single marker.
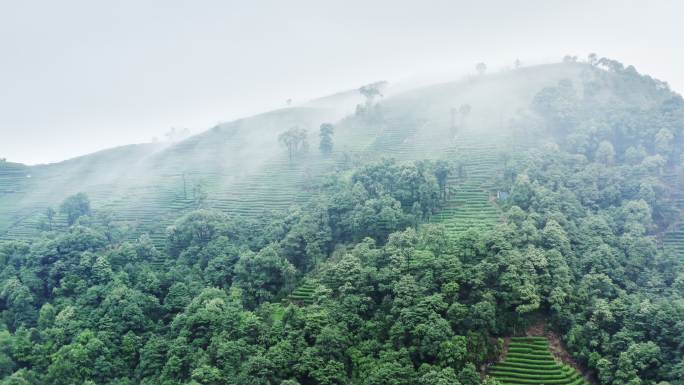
(326, 134)
(295, 141)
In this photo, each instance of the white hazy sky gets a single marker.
(77, 76)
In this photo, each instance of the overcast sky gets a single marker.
(77, 76)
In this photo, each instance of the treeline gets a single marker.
(606, 195)
(82, 306)
(615, 115)
(620, 304)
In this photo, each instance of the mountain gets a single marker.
(241, 166)
(522, 227)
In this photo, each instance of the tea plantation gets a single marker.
(529, 361)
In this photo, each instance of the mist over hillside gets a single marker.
(513, 227)
(232, 161)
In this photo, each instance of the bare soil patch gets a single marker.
(536, 330)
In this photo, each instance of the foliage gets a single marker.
(75, 207)
(295, 139)
(354, 287)
(326, 134)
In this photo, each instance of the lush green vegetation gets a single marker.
(470, 191)
(304, 294)
(396, 272)
(529, 361)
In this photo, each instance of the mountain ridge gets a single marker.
(242, 159)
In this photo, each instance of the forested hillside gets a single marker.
(414, 240)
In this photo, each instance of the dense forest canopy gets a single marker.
(361, 284)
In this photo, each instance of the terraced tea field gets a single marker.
(15, 180)
(470, 202)
(148, 201)
(148, 187)
(243, 170)
(303, 294)
(674, 239)
(529, 361)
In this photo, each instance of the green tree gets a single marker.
(469, 375)
(75, 207)
(80, 361)
(442, 171)
(326, 134)
(50, 215)
(605, 153)
(295, 139)
(436, 376)
(371, 91)
(454, 352)
(263, 275)
(663, 142)
(199, 195)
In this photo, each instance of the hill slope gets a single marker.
(554, 184)
(240, 167)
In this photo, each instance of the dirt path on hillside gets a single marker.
(504, 351)
(536, 330)
(561, 353)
